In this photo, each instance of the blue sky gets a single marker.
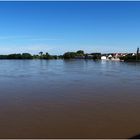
(57, 27)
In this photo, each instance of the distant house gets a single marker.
(103, 57)
(130, 54)
(109, 56)
(123, 54)
(96, 55)
(93, 56)
(89, 56)
(133, 54)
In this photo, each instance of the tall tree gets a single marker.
(41, 53)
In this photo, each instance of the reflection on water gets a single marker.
(69, 99)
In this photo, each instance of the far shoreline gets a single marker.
(80, 54)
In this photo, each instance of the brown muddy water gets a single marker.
(69, 99)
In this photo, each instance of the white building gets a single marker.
(103, 57)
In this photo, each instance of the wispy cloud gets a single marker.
(12, 37)
(34, 49)
(28, 38)
(41, 39)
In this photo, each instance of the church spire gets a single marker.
(137, 53)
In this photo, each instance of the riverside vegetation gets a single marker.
(80, 54)
(68, 55)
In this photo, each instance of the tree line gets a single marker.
(130, 57)
(68, 55)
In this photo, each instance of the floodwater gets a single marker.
(69, 99)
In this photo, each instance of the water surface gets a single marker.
(69, 99)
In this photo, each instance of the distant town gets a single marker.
(80, 54)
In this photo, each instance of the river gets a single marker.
(69, 99)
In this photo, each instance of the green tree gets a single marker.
(27, 56)
(69, 55)
(80, 52)
(41, 54)
(14, 56)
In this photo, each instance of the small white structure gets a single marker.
(115, 59)
(133, 54)
(103, 58)
(110, 56)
